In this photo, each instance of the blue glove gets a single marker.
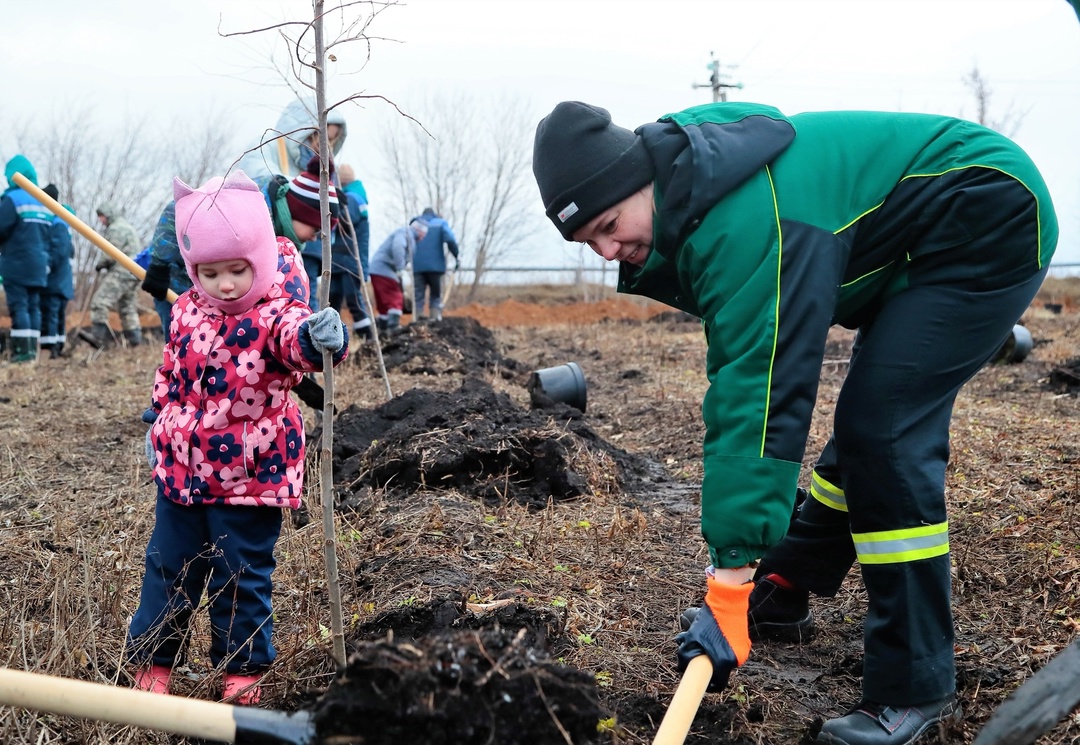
(325, 329)
(151, 454)
(720, 630)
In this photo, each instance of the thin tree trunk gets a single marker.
(326, 449)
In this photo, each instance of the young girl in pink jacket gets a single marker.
(226, 445)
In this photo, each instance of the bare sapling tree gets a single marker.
(309, 55)
(131, 166)
(471, 164)
(1008, 123)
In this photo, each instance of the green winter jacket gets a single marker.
(770, 229)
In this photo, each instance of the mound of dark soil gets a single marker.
(459, 688)
(453, 345)
(542, 626)
(1065, 378)
(481, 443)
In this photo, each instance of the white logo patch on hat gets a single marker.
(568, 211)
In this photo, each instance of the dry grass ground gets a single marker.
(76, 510)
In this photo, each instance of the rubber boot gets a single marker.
(242, 690)
(436, 314)
(20, 349)
(393, 325)
(133, 337)
(154, 679)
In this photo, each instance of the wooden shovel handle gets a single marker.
(76, 698)
(85, 230)
(684, 704)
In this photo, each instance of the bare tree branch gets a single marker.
(474, 171)
(1009, 123)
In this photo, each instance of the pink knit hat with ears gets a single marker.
(224, 219)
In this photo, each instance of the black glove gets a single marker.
(457, 264)
(156, 281)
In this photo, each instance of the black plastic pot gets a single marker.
(562, 384)
(1017, 347)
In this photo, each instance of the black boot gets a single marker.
(364, 334)
(393, 325)
(779, 613)
(880, 724)
(133, 337)
(97, 336)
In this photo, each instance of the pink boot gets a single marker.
(242, 690)
(154, 679)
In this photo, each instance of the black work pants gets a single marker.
(878, 492)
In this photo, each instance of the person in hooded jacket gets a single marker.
(387, 264)
(930, 236)
(61, 287)
(429, 265)
(118, 286)
(25, 224)
(226, 442)
(285, 150)
(349, 255)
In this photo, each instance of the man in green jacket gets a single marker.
(929, 235)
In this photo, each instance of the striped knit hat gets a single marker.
(303, 196)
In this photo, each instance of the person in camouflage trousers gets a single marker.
(117, 289)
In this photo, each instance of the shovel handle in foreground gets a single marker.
(173, 714)
(684, 704)
(1038, 705)
(85, 230)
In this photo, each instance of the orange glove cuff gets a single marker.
(730, 606)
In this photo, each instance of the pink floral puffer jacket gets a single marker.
(227, 431)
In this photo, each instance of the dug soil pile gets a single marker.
(475, 440)
(460, 687)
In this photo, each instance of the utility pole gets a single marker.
(717, 80)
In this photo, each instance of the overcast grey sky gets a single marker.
(637, 58)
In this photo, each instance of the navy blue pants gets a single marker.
(53, 318)
(227, 551)
(24, 307)
(427, 286)
(344, 287)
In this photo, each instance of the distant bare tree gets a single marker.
(471, 163)
(1009, 123)
(131, 166)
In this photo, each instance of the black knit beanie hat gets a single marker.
(583, 164)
